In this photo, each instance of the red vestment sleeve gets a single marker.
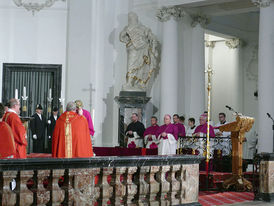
(7, 146)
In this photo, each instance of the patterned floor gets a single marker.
(211, 198)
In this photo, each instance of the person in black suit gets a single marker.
(38, 129)
(51, 125)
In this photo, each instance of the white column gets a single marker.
(169, 60)
(265, 76)
(197, 69)
(92, 45)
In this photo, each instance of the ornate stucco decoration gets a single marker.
(252, 68)
(262, 3)
(165, 13)
(34, 5)
(210, 44)
(201, 19)
(234, 43)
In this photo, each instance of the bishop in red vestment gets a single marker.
(7, 146)
(71, 136)
(19, 132)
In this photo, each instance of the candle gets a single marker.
(16, 94)
(50, 93)
(24, 92)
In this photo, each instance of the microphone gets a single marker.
(269, 116)
(228, 107)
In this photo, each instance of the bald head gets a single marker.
(71, 107)
(15, 105)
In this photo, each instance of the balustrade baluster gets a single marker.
(8, 196)
(43, 194)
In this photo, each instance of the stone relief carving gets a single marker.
(165, 13)
(201, 19)
(142, 54)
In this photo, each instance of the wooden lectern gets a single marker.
(238, 129)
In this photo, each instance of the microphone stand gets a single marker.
(270, 117)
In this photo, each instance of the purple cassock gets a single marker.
(169, 129)
(203, 129)
(90, 124)
(181, 129)
(152, 130)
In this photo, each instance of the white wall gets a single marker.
(95, 56)
(27, 38)
(240, 82)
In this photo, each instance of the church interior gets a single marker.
(123, 67)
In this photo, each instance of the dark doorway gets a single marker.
(38, 79)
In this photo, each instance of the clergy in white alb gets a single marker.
(191, 127)
(222, 119)
(168, 136)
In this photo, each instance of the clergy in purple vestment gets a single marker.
(86, 114)
(150, 133)
(181, 127)
(167, 135)
(201, 130)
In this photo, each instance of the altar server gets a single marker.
(167, 135)
(191, 127)
(71, 136)
(150, 133)
(135, 132)
(222, 119)
(11, 117)
(7, 146)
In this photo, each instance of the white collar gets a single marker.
(11, 110)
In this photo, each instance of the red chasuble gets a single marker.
(71, 137)
(7, 146)
(19, 133)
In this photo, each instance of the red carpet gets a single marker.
(39, 155)
(211, 198)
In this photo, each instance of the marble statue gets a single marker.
(142, 54)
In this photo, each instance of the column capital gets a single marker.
(165, 13)
(201, 19)
(210, 44)
(234, 43)
(262, 3)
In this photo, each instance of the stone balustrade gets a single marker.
(266, 176)
(142, 180)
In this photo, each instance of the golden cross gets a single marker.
(209, 72)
